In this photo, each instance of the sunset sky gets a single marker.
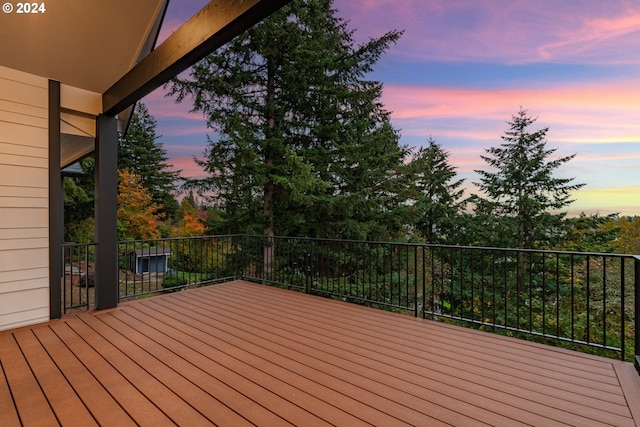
(464, 67)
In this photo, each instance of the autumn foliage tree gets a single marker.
(629, 238)
(192, 222)
(138, 215)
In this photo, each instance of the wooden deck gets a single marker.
(239, 354)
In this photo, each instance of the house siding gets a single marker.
(24, 204)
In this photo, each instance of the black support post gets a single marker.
(106, 188)
(56, 204)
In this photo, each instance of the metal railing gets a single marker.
(77, 276)
(583, 301)
(152, 266)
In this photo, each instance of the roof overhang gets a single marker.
(87, 44)
(84, 44)
(106, 48)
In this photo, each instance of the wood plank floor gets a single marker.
(239, 354)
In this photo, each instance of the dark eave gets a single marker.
(214, 25)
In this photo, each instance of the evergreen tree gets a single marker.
(140, 153)
(438, 197)
(79, 204)
(591, 233)
(521, 192)
(302, 144)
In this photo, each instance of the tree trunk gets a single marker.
(268, 249)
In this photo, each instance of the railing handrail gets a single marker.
(455, 282)
(444, 246)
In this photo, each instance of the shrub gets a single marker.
(173, 281)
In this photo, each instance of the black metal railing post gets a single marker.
(636, 310)
(308, 254)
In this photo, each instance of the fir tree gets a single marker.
(301, 144)
(522, 197)
(438, 198)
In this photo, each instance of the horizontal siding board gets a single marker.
(24, 119)
(23, 218)
(22, 176)
(22, 259)
(24, 135)
(23, 233)
(18, 319)
(21, 286)
(24, 161)
(12, 107)
(13, 280)
(24, 202)
(22, 244)
(23, 150)
(13, 191)
(24, 300)
(22, 77)
(24, 93)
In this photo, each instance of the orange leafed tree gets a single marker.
(137, 214)
(192, 225)
(629, 240)
(192, 220)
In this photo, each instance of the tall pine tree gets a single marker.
(438, 197)
(301, 143)
(523, 199)
(140, 153)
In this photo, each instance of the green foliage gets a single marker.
(521, 193)
(210, 256)
(591, 233)
(301, 144)
(82, 231)
(629, 236)
(140, 152)
(174, 281)
(78, 205)
(438, 197)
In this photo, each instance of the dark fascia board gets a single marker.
(210, 28)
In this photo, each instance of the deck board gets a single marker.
(416, 371)
(30, 402)
(68, 408)
(238, 354)
(8, 412)
(415, 352)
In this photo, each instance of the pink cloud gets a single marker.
(161, 105)
(513, 32)
(585, 113)
(188, 167)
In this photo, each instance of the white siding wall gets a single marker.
(24, 241)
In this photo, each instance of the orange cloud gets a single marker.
(594, 113)
(603, 201)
